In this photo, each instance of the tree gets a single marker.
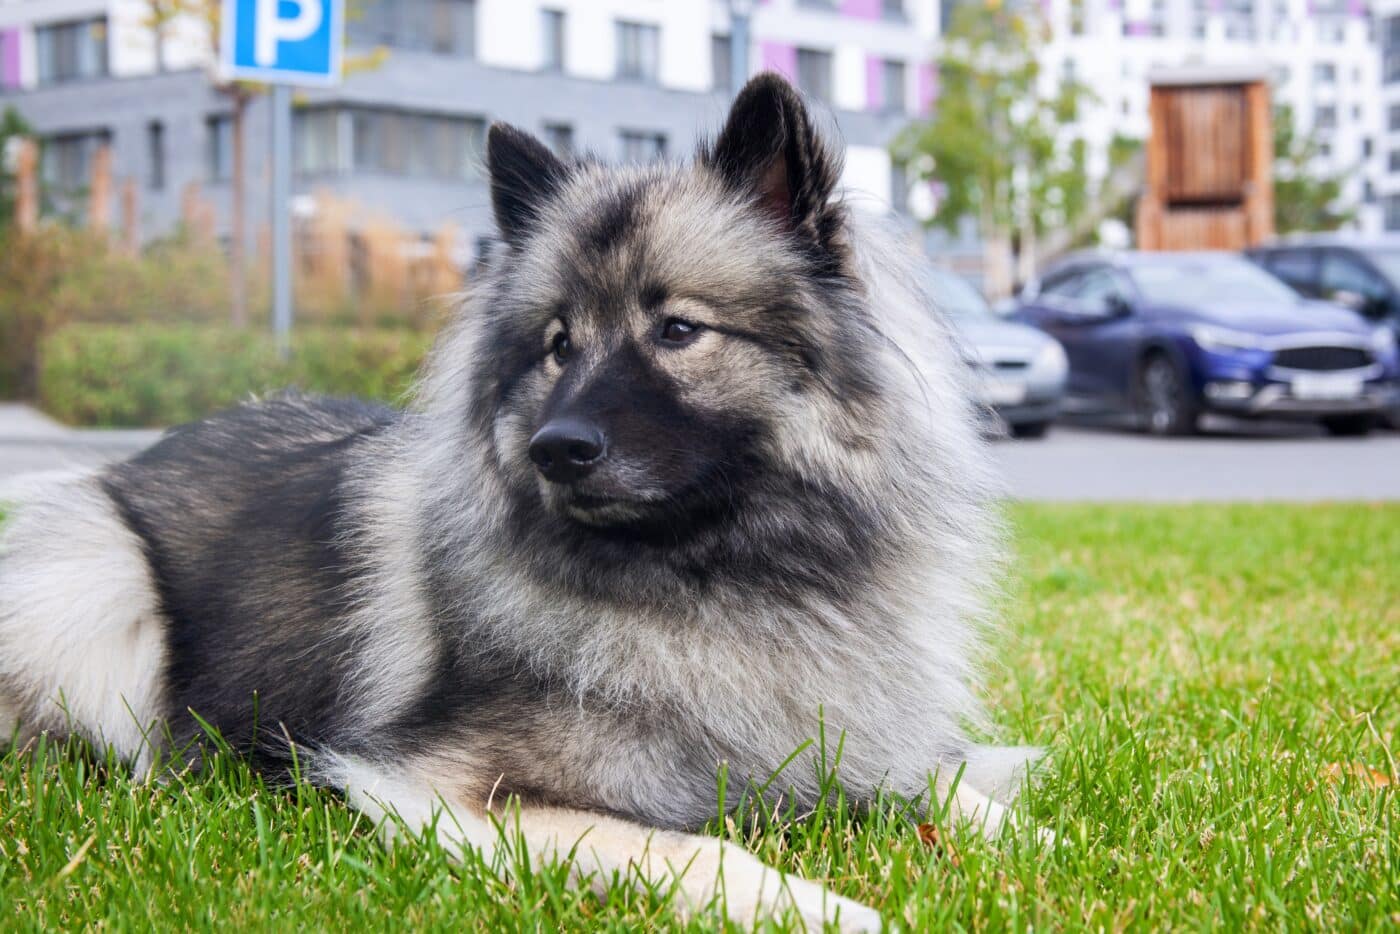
(12, 130)
(1305, 198)
(160, 15)
(998, 144)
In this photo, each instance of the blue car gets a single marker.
(1167, 337)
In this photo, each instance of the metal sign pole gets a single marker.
(281, 216)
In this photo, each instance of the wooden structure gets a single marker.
(1209, 180)
(27, 186)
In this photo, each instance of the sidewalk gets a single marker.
(30, 441)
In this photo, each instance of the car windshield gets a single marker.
(957, 297)
(1196, 281)
(1388, 262)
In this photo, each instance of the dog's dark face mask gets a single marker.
(654, 323)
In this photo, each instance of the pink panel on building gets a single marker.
(928, 87)
(9, 58)
(861, 9)
(780, 58)
(874, 83)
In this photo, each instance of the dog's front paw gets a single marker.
(818, 906)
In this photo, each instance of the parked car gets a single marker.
(1170, 336)
(1360, 272)
(1022, 371)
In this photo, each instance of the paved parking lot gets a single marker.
(1229, 462)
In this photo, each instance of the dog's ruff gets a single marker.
(792, 517)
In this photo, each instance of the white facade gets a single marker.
(1324, 55)
(1388, 145)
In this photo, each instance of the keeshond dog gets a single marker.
(694, 467)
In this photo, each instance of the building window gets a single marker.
(819, 4)
(892, 9)
(1368, 146)
(814, 73)
(642, 146)
(1325, 73)
(1390, 50)
(316, 141)
(1154, 25)
(560, 137)
(638, 51)
(155, 155)
(1392, 211)
(218, 148)
(71, 51)
(552, 26)
(447, 27)
(899, 187)
(415, 145)
(1392, 117)
(65, 163)
(892, 86)
(1324, 150)
(1239, 20)
(721, 62)
(1325, 117)
(1393, 162)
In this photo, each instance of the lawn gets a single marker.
(1219, 686)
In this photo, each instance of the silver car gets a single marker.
(1022, 370)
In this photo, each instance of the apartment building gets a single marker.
(1323, 54)
(628, 80)
(1388, 145)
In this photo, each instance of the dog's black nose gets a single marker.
(567, 449)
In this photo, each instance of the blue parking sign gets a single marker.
(282, 41)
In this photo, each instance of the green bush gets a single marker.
(57, 276)
(139, 375)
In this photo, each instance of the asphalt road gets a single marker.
(1225, 463)
(1228, 462)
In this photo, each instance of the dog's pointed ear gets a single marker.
(770, 150)
(524, 176)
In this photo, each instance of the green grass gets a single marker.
(1195, 671)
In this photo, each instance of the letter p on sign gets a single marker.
(282, 41)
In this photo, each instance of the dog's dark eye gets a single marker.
(562, 347)
(676, 331)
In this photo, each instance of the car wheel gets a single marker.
(1165, 402)
(1030, 429)
(1348, 426)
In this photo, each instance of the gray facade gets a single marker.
(408, 82)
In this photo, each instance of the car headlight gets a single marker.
(1050, 360)
(1224, 340)
(1383, 342)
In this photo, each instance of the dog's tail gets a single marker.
(1000, 772)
